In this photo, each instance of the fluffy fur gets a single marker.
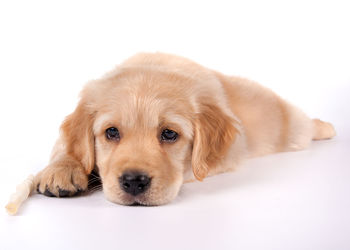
(220, 121)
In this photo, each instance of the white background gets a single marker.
(300, 49)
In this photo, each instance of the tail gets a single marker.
(322, 130)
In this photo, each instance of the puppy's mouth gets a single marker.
(136, 201)
(137, 204)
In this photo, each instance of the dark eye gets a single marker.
(112, 133)
(169, 135)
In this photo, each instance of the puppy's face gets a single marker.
(143, 137)
(144, 132)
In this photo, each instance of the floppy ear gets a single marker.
(78, 137)
(213, 135)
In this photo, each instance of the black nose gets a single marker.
(134, 183)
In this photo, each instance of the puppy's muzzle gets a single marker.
(134, 183)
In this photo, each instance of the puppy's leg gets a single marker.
(72, 158)
(64, 176)
(322, 130)
(302, 130)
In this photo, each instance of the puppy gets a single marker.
(160, 120)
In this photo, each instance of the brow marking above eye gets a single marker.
(103, 122)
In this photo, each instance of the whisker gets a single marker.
(94, 180)
(96, 188)
(94, 175)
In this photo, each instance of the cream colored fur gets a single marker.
(220, 120)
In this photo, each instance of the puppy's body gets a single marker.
(218, 120)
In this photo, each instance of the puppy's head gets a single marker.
(144, 131)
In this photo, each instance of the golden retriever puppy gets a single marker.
(159, 120)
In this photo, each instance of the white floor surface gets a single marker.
(296, 200)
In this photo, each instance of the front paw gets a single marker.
(61, 180)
